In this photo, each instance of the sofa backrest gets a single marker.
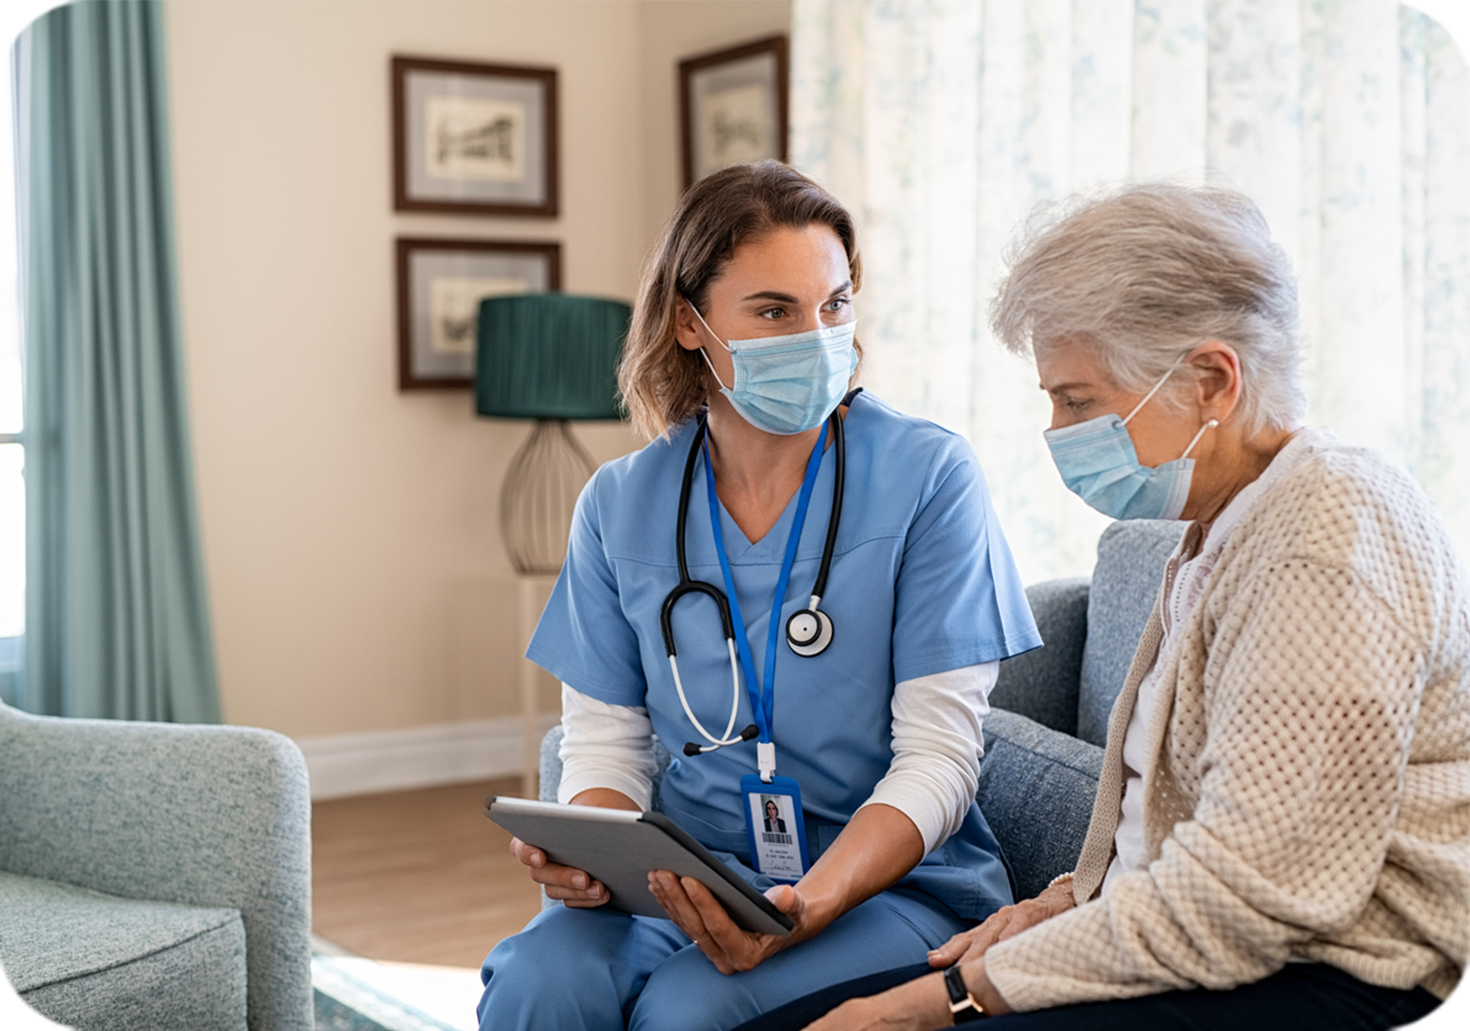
(1131, 555)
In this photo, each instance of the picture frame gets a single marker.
(732, 106)
(474, 139)
(440, 284)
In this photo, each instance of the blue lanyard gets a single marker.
(762, 701)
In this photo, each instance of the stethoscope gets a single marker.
(808, 632)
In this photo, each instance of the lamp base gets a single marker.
(539, 497)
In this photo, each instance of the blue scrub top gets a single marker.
(921, 582)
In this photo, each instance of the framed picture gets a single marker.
(733, 107)
(474, 139)
(440, 285)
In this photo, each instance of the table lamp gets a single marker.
(551, 357)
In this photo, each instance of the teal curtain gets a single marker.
(117, 621)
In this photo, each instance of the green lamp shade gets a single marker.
(549, 356)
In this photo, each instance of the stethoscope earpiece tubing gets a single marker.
(687, 584)
(839, 481)
(666, 614)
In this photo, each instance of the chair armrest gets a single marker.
(1042, 684)
(209, 816)
(551, 763)
(1036, 791)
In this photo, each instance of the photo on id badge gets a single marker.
(777, 830)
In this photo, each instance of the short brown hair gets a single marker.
(662, 384)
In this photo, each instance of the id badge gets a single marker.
(775, 827)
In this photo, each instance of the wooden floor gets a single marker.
(417, 876)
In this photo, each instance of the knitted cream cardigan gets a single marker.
(1309, 794)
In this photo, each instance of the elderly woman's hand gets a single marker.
(920, 1005)
(1006, 922)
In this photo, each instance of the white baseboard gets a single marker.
(420, 757)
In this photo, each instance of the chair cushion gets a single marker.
(1131, 555)
(99, 961)
(1036, 791)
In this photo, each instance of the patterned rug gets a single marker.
(332, 1015)
(356, 994)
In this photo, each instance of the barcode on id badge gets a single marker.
(775, 839)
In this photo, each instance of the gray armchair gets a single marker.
(155, 876)
(1044, 736)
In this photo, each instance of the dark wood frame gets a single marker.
(770, 44)
(404, 247)
(402, 67)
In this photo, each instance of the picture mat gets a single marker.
(526, 95)
(427, 266)
(454, 309)
(734, 113)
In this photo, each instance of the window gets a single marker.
(12, 414)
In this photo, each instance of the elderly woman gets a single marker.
(1281, 836)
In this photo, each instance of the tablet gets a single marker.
(619, 847)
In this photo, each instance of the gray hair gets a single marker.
(1147, 272)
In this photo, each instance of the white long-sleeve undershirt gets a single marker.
(932, 779)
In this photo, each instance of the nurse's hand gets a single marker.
(565, 883)
(877, 847)
(701, 916)
(1006, 922)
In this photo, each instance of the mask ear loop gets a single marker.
(1211, 424)
(703, 353)
(1207, 426)
(711, 365)
(1146, 397)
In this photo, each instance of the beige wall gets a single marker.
(668, 31)
(355, 569)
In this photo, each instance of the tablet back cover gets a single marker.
(620, 854)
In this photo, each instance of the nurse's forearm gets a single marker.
(877, 847)
(607, 798)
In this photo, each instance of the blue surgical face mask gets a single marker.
(1098, 464)
(789, 384)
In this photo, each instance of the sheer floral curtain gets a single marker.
(942, 122)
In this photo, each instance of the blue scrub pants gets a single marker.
(601, 970)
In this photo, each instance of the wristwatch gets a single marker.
(962, 1005)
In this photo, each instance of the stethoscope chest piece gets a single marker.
(809, 632)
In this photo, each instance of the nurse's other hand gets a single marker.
(568, 884)
(697, 912)
(1006, 922)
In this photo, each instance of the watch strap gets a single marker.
(962, 1005)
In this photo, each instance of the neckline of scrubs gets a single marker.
(744, 545)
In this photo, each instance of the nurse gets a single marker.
(862, 676)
